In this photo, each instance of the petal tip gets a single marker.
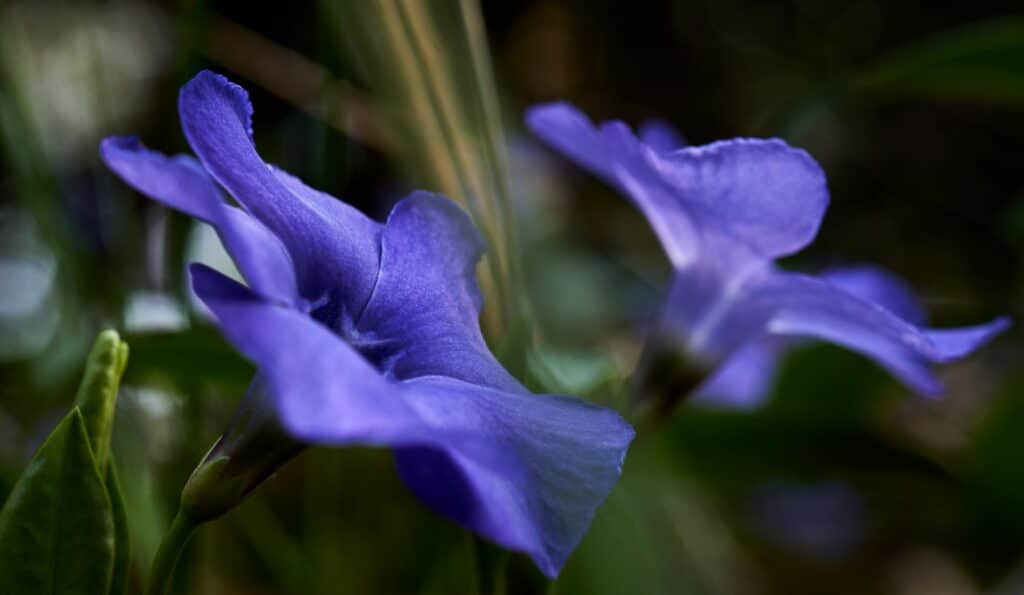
(956, 343)
(199, 273)
(206, 85)
(112, 148)
(992, 329)
(1000, 324)
(120, 142)
(211, 285)
(541, 114)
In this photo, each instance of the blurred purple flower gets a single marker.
(368, 333)
(826, 519)
(724, 212)
(745, 380)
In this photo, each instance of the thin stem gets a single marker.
(168, 553)
(664, 376)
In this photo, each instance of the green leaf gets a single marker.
(97, 393)
(122, 538)
(978, 62)
(96, 399)
(983, 62)
(574, 372)
(56, 528)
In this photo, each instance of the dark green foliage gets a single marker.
(57, 527)
(63, 528)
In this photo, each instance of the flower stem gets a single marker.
(167, 554)
(663, 378)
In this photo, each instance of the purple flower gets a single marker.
(745, 379)
(824, 519)
(724, 212)
(367, 333)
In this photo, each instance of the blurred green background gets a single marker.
(844, 483)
